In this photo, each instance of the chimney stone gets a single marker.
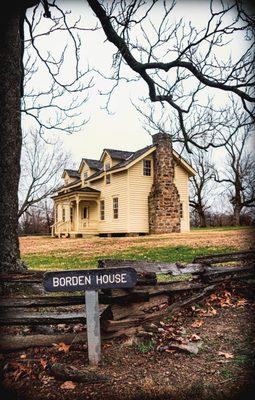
(164, 199)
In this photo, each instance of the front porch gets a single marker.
(77, 214)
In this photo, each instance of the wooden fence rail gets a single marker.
(25, 303)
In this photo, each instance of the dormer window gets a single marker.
(107, 166)
(85, 175)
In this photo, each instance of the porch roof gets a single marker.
(86, 190)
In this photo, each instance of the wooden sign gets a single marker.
(91, 281)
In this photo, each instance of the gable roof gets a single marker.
(77, 190)
(73, 173)
(132, 157)
(93, 164)
(122, 164)
(117, 154)
(126, 158)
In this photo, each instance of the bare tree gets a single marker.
(37, 219)
(40, 166)
(17, 66)
(58, 103)
(201, 184)
(147, 47)
(238, 174)
(182, 65)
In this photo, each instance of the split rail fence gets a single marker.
(123, 312)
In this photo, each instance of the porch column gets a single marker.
(77, 214)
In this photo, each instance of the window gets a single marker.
(115, 208)
(71, 214)
(181, 210)
(85, 212)
(56, 213)
(85, 175)
(63, 214)
(102, 208)
(108, 179)
(107, 166)
(147, 167)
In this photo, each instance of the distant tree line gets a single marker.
(37, 220)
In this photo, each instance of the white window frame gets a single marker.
(147, 168)
(115, 210)
(102, 210)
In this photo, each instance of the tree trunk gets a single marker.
(10, 139)
(236, 215)
(202, 219)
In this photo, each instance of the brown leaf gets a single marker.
(68, 385)
(43, 363)
(194, 337)
(241, 302)
(213, 297)
(63, 347)
(197, 323)
(23, 356)
(210, 312)
(226, 355)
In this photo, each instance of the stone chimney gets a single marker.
(164, 199)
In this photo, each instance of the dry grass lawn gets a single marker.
(242, 239)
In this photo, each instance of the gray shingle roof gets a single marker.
(130, 156)
(93, 164)
(79, 190)
(119, 154)
(72, 173)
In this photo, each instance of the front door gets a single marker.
(85, 214)
(84, 217)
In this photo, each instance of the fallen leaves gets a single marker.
(226, 355)
(62, 347)
(43, 363)
(194, 337)
(197, 323)
(18, 370)
(241, 302)
(68, 385)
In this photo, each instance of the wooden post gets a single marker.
(77, 214)
(93, 326)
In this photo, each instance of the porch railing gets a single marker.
(65, 227)
(88, 225)
(61, 227)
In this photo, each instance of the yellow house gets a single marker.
(141, 192)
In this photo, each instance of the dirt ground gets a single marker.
(142, 368)
(92, 246)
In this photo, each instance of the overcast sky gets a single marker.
(124, 128)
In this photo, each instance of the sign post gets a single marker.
(91, 281)
(93, 326)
